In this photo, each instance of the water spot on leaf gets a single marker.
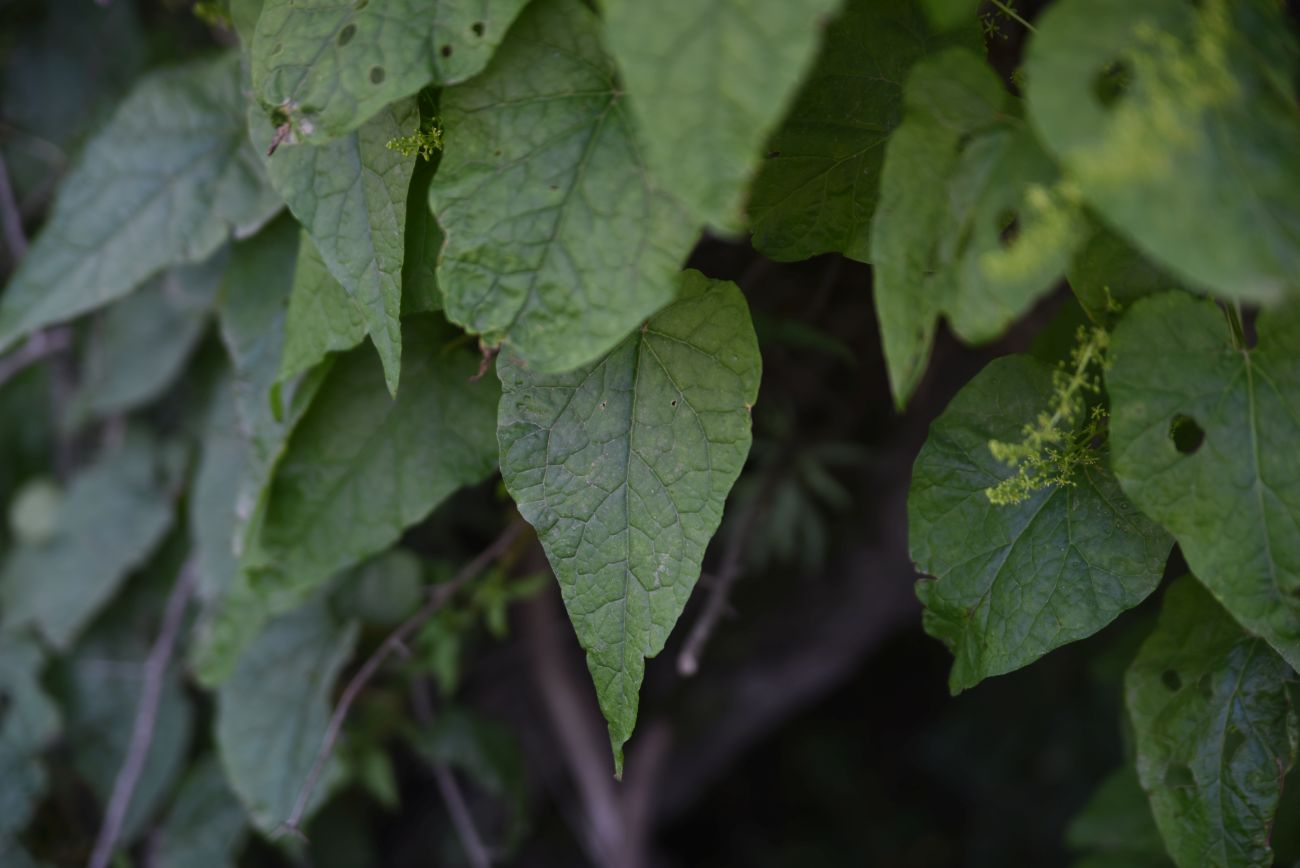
(478, 27)
(1112, 82)
(346, 34)
(1186, 434)
(376, 74)
(1171, 679)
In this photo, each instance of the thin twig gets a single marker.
(146, 716)
(476, 852)
(11, 219)
(688, 659)
(396, 640)
(1014, 15)
(38, 347)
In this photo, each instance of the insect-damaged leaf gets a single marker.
(623, 467)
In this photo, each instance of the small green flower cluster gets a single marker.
(424, 141)
(1063, 437)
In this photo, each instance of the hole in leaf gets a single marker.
(1179, 776)
(1112, 82)
(674, 402)
(1172, 680)
(478, 27)
(446, 51)
(1186, 434)
(346, 34)
(1008, 228)
(376, 74)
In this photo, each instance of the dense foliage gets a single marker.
(441, 240)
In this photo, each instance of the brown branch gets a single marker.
(146, 716)
(733, 561)
(394, 644)
(11, 219)
(38, 347)
(476, 852)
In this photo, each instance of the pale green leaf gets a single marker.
(114, 514)
(329, 65)
(1215, 729)
(1010, 583)
(166, 182)
(1165, 112)
(623, 467)
(168, 316)
(29, 722)
(272, 712)
(1232, 500)
(817, 189)
(350, 195)
(362, 466)
(970, 223)
(322, 318)
(558, 241)
(205, 826)
(709, 80)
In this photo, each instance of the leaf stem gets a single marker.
(1233, 312)
(395, 643)
(1014, 15)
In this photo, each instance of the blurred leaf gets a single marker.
(331, 64)
(272, 712)
(1010, 583)
(1108, 275)
(817, 189)
(350, 196)
(1164, 112)
(1117, 823)
(1216, 731)
(205, 827)
(362, 467)
(558, 241)
(127, 210)
(29, 722)
(971, 224)
(115, 513)
(1227, 492)
(623, 467)
(708, 80)
(385, 589)
(168, 317)
(34, 512)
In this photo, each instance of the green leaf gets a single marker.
(558, 240)
(1117, 823)
(709, 80)
(1216, 732)
(623, 467)
(1230, 493)
(1108, 274)
(362, 467)
(272, 713)
(329, 65)
(114, 514)
(1164, 112)
(420, 293)
(168, 316)
(971, 224)
(29, 722)
(818, 187)
(1010, 583)
(322, 318)
(165, 183)
(100, 688)
(205, 826)
(950, 13)
(350, 196)
(214, 495)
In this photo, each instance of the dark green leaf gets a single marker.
(29, 721)
(1216, 732)
(205, 826)
(558, 240)
(1117, 823)
(1010, 583)
(1204, 441)
(623, 467)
